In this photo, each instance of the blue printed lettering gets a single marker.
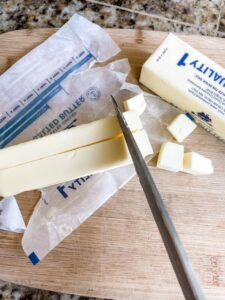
(194, 63)
(185, 61)
(181, 62)
(200, 68)
(217, 77)
(222, 80)
(77, 181)
(72, 186)
(62, 192)
(206, 69)
(211, 73)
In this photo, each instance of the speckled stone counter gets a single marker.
(204, 17)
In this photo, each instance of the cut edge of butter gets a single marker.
(181, 127)
(197, 164)
(67, 140)
(136, 103)
(170, 157)
(143, 142)
(66, 166)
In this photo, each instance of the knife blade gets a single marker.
(184, 271)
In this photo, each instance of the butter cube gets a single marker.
(197, 164)
(143, 142)
(181, 127)
(171, 157)
(136, 103)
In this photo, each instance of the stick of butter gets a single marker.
(66, 166)
(189, 80)
(66, 140)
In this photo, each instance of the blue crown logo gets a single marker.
(204, 117)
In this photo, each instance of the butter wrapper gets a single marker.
(54, 88)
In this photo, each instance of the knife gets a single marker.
(185, 274)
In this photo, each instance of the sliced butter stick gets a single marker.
(66, 140)
(136, 103)
(70, 165)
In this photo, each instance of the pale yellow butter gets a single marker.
(171, 157)
(197, 164)
(181, 127)
(66, 166)
(189, 80)
(136, 103)
(66, 140)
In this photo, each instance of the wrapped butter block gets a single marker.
(171, 157)
(189, 80)
(181, 127)
(197, 164)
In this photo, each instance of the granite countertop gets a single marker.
(204, 17)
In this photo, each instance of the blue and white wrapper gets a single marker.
(54, 87)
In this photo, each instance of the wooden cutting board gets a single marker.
(118, 253)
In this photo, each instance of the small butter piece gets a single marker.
(137, 103)
(143, 142)
(181, 127)
(66, 140)
(69, 165)
(171, 157)
(197, 164)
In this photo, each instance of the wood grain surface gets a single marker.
(118, 253)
